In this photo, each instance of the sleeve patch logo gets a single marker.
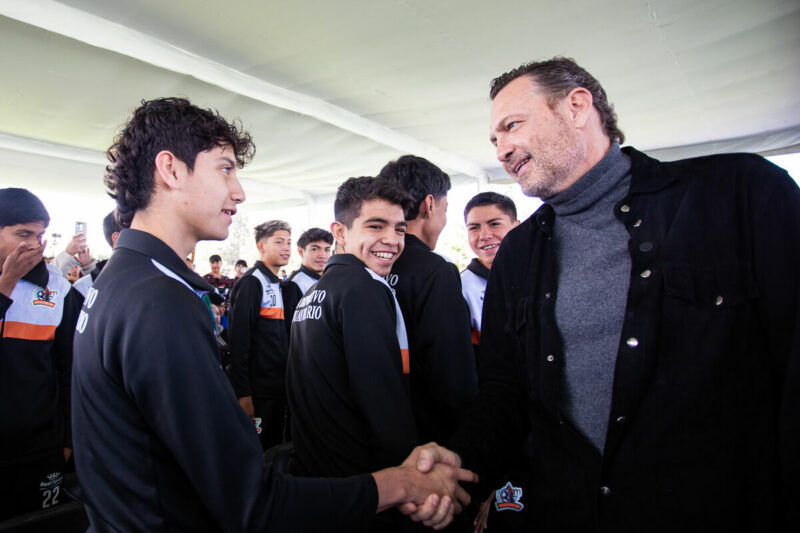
(507, 498)
(45, 297)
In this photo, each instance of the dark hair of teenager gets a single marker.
(110, 226)
(172, 124)
(503, 203)
(268, 229)
(355, 191)
(240, 263)
(215, 259)
(557, 77)
(419, 177)
(21, 206)
(314, 235)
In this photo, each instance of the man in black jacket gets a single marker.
(161, 443)
(260, 318)
(643, 325)
(38, 311)
(443, 376)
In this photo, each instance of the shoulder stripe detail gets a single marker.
(176, 277)
(31, 332)
(400, 324)
(271, 312)
(476, 337)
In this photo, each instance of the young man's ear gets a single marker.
(168, 170)
(260, 246)
(339, 231)
(426, 207)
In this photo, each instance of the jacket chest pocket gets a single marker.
(708, 336)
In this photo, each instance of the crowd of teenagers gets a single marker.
(627, 359)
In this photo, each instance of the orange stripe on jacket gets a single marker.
(406, 362)
(31, 332)
(476, 336)
(271, 312)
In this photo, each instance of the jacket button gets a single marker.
(646, 273)
(633, 342)
(719, 300)
(646, 246)
(625, 208)
(550, 358)
(621, 419)
(547, 295)
(637, 223)
(605, 491)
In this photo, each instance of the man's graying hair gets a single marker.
(557, 77)
(268, 229)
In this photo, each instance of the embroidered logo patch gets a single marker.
(508, 497)
(257, 422)
(45, 297)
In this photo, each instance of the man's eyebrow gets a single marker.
(376, 219)
(228, 160)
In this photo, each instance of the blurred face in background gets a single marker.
(315, 255)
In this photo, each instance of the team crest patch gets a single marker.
(45, 297)
(508, 497)
(257, 422)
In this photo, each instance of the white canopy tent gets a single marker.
(331, 90)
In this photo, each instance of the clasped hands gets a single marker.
(425, 486)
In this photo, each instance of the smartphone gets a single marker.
(80, 228)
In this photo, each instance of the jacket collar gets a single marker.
(151, 246)
(412, 241)
(477, 268)
(647, 174)
(308, 272)
(344, 259)
(38, 275)
(267, 272)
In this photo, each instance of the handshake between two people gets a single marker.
(425, 486)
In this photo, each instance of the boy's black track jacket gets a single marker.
(304, 278)
(38, 323)
(347, 392)
(443, 376)
(161, 443)
(259, 332)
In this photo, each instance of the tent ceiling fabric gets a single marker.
(401, 75)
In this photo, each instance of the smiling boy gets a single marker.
(488, 216)
(348, 370)
(260, 317)
(314, 247)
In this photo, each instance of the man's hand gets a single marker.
(84, 257)
(67, 454)
(431, 497)
(427, 455)
(18, 263)
(482, 519)
(247, 404)
(76, 245)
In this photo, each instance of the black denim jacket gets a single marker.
(703, 429)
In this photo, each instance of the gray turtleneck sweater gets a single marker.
(593, 276)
